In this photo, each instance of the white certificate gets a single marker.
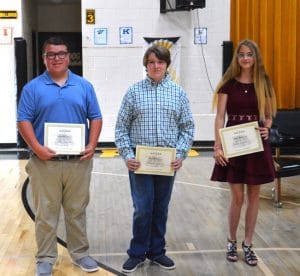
(155, 160)
(65, 138)
(241, 139)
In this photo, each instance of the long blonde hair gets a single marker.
(263, 86)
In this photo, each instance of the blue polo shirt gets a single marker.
(43, 101)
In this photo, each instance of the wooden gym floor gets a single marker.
(197, 225)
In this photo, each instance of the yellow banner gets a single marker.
(8, 14)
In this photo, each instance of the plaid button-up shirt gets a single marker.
(157, 115)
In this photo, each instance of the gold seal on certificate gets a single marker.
(155, 160)
(241, 139)
(65, 138)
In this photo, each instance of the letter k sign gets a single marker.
(126, 35)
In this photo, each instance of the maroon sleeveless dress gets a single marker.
(255, 168)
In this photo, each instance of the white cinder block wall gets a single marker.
(22, 26)
(30, 17)
(112, 68)
(7, 74)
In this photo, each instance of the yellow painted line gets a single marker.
(109, 153)
(114, 152)
(193, 153)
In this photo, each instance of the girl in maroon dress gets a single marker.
(245, 94)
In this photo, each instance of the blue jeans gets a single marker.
(151, 195)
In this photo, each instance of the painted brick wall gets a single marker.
(7, 74)
(112, 68)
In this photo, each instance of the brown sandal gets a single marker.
(231, 253)
(250, 257)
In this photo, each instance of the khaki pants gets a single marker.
(55, 184)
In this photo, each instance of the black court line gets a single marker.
(59, 240)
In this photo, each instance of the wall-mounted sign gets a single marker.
(90, 17)
(8, 14)
(100, 36)
(125, 35)
(200, 36)
(6, 35)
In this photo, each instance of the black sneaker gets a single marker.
(164, 262)
(131, 264)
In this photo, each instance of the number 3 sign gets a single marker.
(90, 17)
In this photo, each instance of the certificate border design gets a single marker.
(82, 134)
(240, 152)
(139, 151)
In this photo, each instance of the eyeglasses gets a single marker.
(52, 55)
(245, 55)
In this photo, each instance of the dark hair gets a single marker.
(160, 52)
(55, 40)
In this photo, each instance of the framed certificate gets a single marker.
(241, 139)
(65, 138)
(155, 160)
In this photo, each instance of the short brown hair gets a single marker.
(55, 40)
(160, 52)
